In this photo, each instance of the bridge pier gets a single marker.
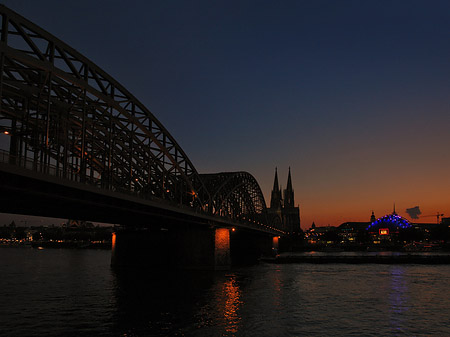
(183, 247)
(248, 246)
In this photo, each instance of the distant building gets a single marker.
(385, 229)
(350, 232)
(282, 212)
(320, 234)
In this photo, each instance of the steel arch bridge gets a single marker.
(236, 195)
(63, 116)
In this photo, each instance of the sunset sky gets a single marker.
(352, 95)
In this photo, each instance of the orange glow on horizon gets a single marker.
(353, 210)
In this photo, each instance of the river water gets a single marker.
(64, 292)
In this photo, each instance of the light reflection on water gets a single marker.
(398, 298)
(231, 294)
(75, 293)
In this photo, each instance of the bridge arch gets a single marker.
(61, 115)
(236, 195)
(64, 115)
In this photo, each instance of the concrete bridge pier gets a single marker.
(248, 246)
(172, 247)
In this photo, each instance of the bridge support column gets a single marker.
(222, 257)
(139, 248)
(181, 247)
(248, 246)
(275, 244)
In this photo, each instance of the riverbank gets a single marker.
(378, 258)
(58, 244)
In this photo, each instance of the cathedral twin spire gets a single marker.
(276, 201)
(282, 212)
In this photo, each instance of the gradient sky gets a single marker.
(352, 95)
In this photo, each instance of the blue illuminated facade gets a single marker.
(393, 222)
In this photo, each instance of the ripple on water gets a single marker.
(75, 293)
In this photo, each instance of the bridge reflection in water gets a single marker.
(76, 144)
(165, 302)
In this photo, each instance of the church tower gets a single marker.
(372, 217)
(276, 200)
(291, 214)
(289, 192)
(282, 212)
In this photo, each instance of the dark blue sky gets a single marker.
(352, 95)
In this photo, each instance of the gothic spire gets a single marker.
(289, 182)
(275, 201)
(276, 187)
(289, 193)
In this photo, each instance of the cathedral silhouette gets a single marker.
(282, 212)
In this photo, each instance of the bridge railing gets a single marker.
(49, 169)
(58, 172)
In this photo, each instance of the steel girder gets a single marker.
(62, 115)
(236, 195)
(65, 116)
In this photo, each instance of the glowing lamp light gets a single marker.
(384, 231)
(113, 243)
(6, 132)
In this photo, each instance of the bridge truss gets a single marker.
(60, 114)
(237, 195)
(65, 114)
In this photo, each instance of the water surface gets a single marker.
(64, 292)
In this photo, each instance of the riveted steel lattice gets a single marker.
(65, 116)
(236, 195)
(61, 115)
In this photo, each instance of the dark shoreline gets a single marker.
(61, 245)
(363, 259)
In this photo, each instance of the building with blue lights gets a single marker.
(389, 232)
(388, 225)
